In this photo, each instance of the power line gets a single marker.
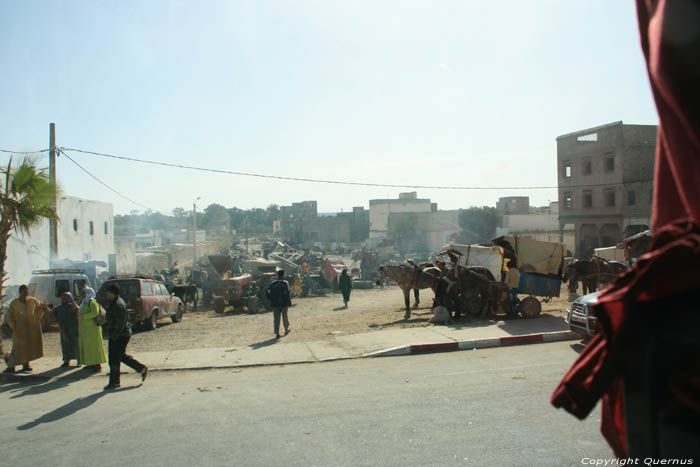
(24, 152)
(334, 182)
(103, 183)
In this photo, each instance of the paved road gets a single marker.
(484, 407)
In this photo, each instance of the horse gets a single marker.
(409, 277)
(591, 272)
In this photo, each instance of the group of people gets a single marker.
(81, 332)
(279, 295)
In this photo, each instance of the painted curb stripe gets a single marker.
(439, 347)
(517, 340)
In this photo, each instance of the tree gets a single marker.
(478, 224)
(215, 216)
(27, 197)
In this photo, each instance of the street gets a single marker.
(483, 407)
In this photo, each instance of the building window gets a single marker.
(106, 228)
(568, 201)
(566, 173)
(610, 198)
(92, 228)
(588, 199)
(587, 167)
(75, 225)
(631, 198)
(609, 163)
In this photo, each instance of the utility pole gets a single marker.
(246, 235)
(53, 223)
(194, 234)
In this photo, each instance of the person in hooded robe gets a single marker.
(66, 315)
(345, 285)
(24, 318)
(91, 345)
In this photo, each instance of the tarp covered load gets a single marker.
(490, 257)
(534, 256)
(254, 266)
(611, 253)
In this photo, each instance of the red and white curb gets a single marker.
(476, 344)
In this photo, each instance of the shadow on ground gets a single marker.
(70, 408)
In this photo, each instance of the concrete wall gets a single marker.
(27, 253)
(380, 209)
(531, 222)
(125, 257)
(77, 240)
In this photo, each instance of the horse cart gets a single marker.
(541, 266)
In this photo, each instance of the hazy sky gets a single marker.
(401, 92)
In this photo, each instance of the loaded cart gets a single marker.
(540, 264)
(223, 287)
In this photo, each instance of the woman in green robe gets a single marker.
(92, 348)
(66, 317)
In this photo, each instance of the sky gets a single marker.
(447, 93)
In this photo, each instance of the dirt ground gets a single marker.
(311, 318)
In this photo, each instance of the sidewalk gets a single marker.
(546, 328)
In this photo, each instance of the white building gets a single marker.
(85, 233)
(543, 224)
(380, 209)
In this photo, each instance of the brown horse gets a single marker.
(409, 277)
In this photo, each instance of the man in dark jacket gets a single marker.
(280, 298)
(119, 332)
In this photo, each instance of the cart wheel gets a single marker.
(253, 305)
(219, 305)
(529, 307)
(473, 304)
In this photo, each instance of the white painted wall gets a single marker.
(26, 253)
(379, 211)
(82, 244)
(531, 222)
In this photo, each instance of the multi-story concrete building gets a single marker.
(85, 233)
(424, 231)
(513, 205)
(301, 224)
(381, 209)
(605, 183)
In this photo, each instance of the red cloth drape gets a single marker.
(670, 34)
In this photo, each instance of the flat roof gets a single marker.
(590, 130)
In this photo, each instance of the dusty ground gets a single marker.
(312, 318)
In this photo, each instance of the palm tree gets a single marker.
(27, 197)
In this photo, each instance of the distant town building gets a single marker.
(541, 223)
(300, 224)
(513, 205)
(605, 183)
(85, 233)
(381, 209)
(424, 231)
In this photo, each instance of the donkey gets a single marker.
(409, 277)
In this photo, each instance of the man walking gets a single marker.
(24, 318)
(119, 332)
(280, 299)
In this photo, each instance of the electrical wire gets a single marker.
(103, 183)
(24, 152)
(335, 182)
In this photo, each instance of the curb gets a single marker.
(539, 338)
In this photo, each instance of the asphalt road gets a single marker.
(484, 407)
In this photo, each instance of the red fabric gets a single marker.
(670, 41)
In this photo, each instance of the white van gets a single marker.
(48, 286)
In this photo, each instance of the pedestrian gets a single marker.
(513, 283)
(24, 318)
(119, 332)
(345, 285)
(92, 348)
(66, 315)
(280, 299)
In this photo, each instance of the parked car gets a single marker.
(580, 316)
(147, 300)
